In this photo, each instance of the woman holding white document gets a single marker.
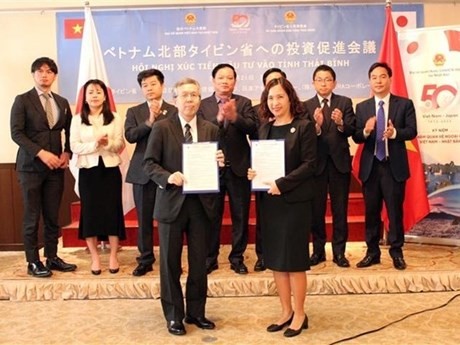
(286, 206)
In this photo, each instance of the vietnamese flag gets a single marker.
(416, 205)
(92, 66)
(73, 28)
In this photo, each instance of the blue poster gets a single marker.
(189, 42)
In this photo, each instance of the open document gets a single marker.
(200, 168)
(267, 159)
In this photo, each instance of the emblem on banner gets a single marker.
(290, 17)
(439, 59)
(240, 21)
(190, 18)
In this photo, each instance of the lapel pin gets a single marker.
(292, 130)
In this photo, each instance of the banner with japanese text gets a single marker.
(431, 58)
(189, 42)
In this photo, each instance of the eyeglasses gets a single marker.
(188, 95)
(327, 80)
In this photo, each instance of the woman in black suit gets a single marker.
(286, 207)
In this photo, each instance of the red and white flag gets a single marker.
(416, 205)
(92, 67)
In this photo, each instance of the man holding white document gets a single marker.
(185, 203)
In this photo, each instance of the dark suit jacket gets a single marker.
(300, 160)
(233, 140)
(30, 130)
(163, 156)
(402, 114)
(137, 132)
(331, 141)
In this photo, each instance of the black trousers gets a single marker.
(337, 184)
(42, 194)
(239, 193)
(144, 199)
(194, 223)
(382, 187)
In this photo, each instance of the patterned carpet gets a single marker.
(431, 268)
(78, 308)
(239, 320)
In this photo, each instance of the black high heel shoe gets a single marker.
(114, 270)
(275, 327)
(293, 332)
(96, 272)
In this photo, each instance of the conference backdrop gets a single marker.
(431, 59)
(189, 42)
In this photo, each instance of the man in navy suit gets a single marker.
(40, 164)
(138, 124)
(384, 123)
(236, 119)
(178, 213)
(335, 122)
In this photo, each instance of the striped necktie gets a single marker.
(188, 134)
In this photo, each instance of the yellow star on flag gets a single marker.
(77, 29)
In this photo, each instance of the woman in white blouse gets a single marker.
(96, 136)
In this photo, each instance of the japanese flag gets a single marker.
(404, 20)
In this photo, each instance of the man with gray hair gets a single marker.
(178, 213)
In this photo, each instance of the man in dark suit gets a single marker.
(39, 118)
(384, 166)
(236, 119)
(335, 122)
(138, 124)
(178, 213)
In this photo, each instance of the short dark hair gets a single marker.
(324, 68)
(270, 71)
(221, 66)
(38, 63)
(150, 73)
(380, 64)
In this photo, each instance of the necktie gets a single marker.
(326, 113)
(221, 104)
(188, 134)
(49, 110)
(379, 142)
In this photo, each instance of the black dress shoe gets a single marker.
(399, 263)
(293, 332)
(58, 264)
(260, 265)
(200, 322)
(274, 327)
(211, 267)
(239, 267)
(176, 327)
(316, 258)
(368, 260)
(37, 269)
(142, 269)
(96, 272)
(341, 261)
